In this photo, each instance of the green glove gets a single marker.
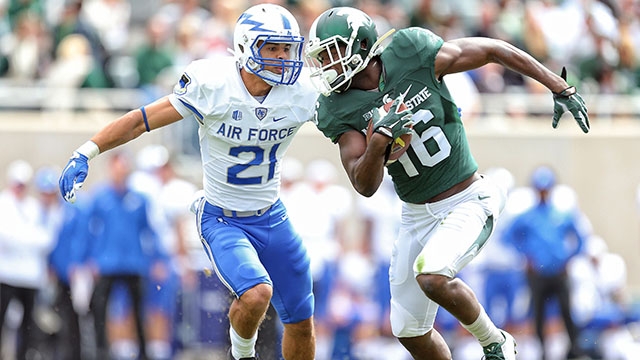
(394, 123)
(570, 100)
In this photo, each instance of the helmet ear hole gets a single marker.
(364, 44)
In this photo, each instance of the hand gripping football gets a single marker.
(400, 144)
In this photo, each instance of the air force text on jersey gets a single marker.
(252, 134)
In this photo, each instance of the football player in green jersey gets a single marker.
(449, 209)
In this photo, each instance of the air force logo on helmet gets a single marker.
(268, 24)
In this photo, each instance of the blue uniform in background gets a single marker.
(548, 236)
(123, 245)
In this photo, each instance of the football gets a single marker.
(399, 145)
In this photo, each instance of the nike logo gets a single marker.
(275, 119)
(404, 95)
(71, 164)
(480, 197)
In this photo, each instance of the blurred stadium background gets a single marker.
(68, 67)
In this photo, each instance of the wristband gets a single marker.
(144, 117)
(89, 149)
(567, 92)
(384, 131)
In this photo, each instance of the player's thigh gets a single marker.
(233, 256)
(412, 313)
(456, 240)
(287, 262)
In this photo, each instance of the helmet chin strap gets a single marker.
(264, 74)
(330, 76)
(337, 81)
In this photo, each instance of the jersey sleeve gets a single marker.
(328, 121)
(412, 49)
(419, 44)
(187, 92)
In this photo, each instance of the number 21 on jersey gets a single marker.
(234, 173)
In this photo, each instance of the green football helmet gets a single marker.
(340, 38)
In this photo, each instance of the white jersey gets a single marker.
(242, 140)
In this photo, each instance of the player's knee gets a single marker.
(433, 285)
(405, 325)
(257, 298)
(300, 330)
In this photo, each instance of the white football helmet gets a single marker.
(268, 23)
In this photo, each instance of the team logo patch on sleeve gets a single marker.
(181, 86)
(261, 113)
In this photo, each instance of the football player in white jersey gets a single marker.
(249, 107)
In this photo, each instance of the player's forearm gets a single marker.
(366, 177)
(365, 168)
(517, 60)
(121, 131)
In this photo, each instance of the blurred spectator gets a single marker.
(24, 244)
(217, 30)
(67, 228)
(72, 67)
(110, 19)
(380, 216)
(123, 245)
(176, 10)
(154, 55)
(71, 242)
(307, 11)
(369, 290)
(26, 49)
(598, 42)
(318, 207)
(17, 8)
(292, 175)
(169, 196)
(72, 23)
(549, 237)
(188, 44)
(505, 290)
(345, 310)
(601, 302)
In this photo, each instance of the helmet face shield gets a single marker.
(328, 63)
(258, 28)
(340, 45)
(286, 70)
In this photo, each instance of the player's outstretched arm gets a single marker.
(124, 129)
(470, 53)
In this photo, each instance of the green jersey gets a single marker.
(439, 156)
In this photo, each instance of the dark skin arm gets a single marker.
(364, 163)
(471, 53)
